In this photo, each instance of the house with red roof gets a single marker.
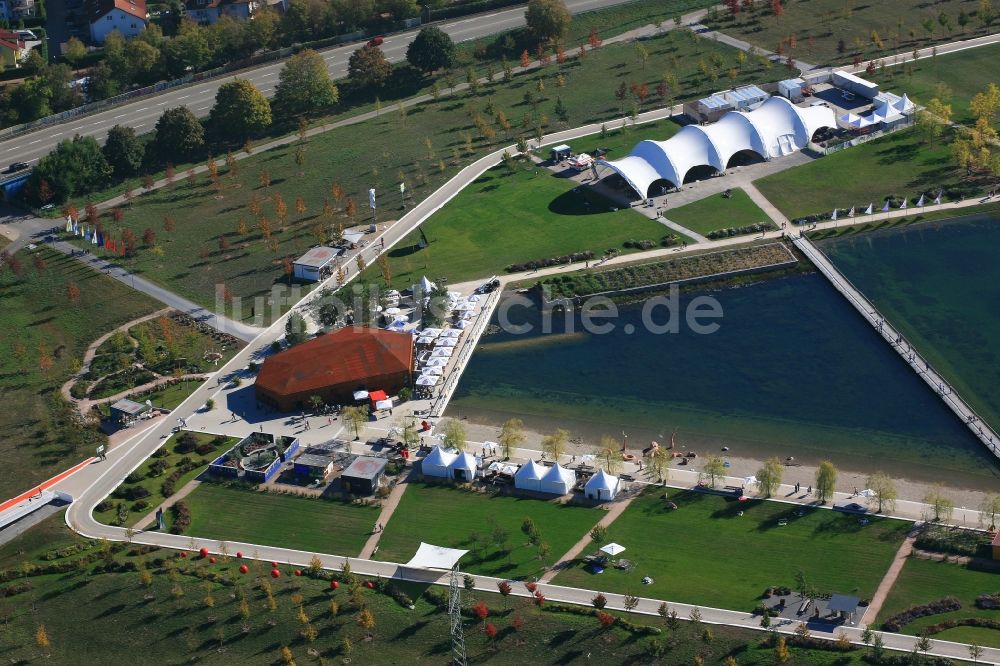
(334, 366)
(126, 16)
(13, 50)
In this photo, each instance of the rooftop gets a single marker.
(365, 468)
(318, 257)
(129, 406)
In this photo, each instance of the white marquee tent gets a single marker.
(429, 556)
(529, 477)
(463, 467)
(775, 128)
(437, 463)
(601, 486)
(558, 480)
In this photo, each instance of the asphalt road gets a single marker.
(143, 114)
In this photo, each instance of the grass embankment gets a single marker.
(704, 552)
(45, 336)
(320, 525)
(925, 581)
(207, 247)
(899, 165)
(181, 459)
(506, 218)
(585, 283)
(965, 73)
(449, 517)
(191, 610)
(820, 27)
(717, 213)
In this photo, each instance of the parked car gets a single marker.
(17, 166)
(376, 41)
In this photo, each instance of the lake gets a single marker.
(791, 371)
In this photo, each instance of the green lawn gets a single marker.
(170, 396)
(820, 25)
(193, 259)
(965, 73)
(924, 581)
(716, 212)
(38, 435)
(93, 617)
(322, 526)
(503, 218)
(167, 461)
(898, 165)
(447, 516)
(704, 553)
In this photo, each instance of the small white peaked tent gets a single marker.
(529, 477)
(601, 486)
(463, 467)
(436, 463)
(425, 286)
(558, 480)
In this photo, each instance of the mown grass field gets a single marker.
(819, 27)
(925, 581)
(220, 512)
(717, 212)
(965, 73)
(447, 516)
(170, 621)
(193, 259)
(41, 325)
(901, 164)
(704, 552)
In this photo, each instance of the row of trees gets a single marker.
(79, 166)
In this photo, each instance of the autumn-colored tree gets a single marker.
(254, 205)
(265, 179)
(481, 611)
(13, 263)
(336, 191)
(384, 267)
(147, 182)
(169, 173)
(265, 227)
(72, 292)
(366, 620)
(517, 623)
(360, 261)
(560, 54)
(130, 241)
(300, 157)
(223, 243)
(92, 212)
(168, 223)
(593, 39)
(605, 619)
(525, 58)
(491, 632)
(227, 295)
(45, 361)
(241, 227)
(149, 237)
(327, 209)
(350, 209)
(117, 214)
(300, 205)
(776, 8)
(280, 208)
(39, 262)
(42, 638)
(287, 268)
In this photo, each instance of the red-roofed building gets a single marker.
(12, 49)
(334, 366)
(105, 16)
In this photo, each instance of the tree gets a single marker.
(986, 14)
(975, 652)
(941, 505)
(630, 602)
(548, 20)
(826, 481)
(149, 237)
(555, 444)
(481, 611)
(932, 120)
(924, 644)
(454, 435)
(714, 469)
(355, 417)
(72, 292)
(989, 509)
(985, 104)
(76, 166)
(368, 68)
(769, 477)
(607, 451)
(599, 534)
(781, 652)
(42, 637)
(431, 50)
(74, 51)
(304, 86)
(240, 110)
(179, 135)
(659, 462)
(885, 490)
(505, 589)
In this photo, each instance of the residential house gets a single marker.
(207, 12)
(15, 10)
(126, 16)
(12, 49)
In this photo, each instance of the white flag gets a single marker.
(871, 207)
(937, 199)
(920, 201)
(93, 237)
(834, 216)
(885, 208)
(402, 188)
(69, 224)
(850, 213)
(371, 198)
(902, 206)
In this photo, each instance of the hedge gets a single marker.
(900, 620)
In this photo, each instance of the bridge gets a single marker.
(919, 364)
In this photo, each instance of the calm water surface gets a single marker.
(793, 371)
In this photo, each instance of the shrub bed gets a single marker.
(900, 620)
(983, 622)
(740, 231)
(550, 261)
(953, 540)
(624, 623)
(988, 601)
(182, 517)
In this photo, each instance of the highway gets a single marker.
(143, 113)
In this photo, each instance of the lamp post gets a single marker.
(371, 203)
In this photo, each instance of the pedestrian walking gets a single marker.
(810, 491)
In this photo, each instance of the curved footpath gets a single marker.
(94, 483)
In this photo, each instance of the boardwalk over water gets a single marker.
(976, 425)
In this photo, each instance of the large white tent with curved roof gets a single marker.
(775, 128)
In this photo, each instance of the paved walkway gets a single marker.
(765, 205)
(736, 43)
(616, 509)
(889, 579)
(388, 508)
